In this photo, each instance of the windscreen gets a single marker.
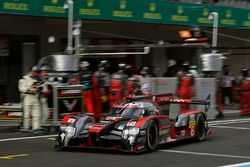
(132, 113)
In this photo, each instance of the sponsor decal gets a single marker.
(177, 100)
(192, 131)
(192, 123)
(15, 114)
(71, 121)
(69, 105)
(72, 91)
(131, 123)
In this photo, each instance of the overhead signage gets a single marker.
(146, 11)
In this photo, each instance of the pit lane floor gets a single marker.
(228, 144)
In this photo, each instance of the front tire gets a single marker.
(200, 128)
(152, 136)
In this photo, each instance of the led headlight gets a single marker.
(70, 131)
(132, 131)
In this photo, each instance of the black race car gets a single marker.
(134, 125)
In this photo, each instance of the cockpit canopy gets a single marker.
(134, 110)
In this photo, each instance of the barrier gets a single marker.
(67, 99)
(162, 85)
(203, 86)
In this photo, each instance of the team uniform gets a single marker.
(31, 104)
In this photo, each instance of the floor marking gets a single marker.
(230, 120)
(230, 127)
(245, 164)
(226, 123)
(233, 121)
(206, 154)
(8, 157)
(52, 138)
(232, 112)
(26, 138)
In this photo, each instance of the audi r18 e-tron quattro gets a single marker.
(134, 125)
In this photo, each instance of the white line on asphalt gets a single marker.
(226, 123)
(230, 120)
(230, 127)
(26, 138)
(245, 164)
(206, 154)
(231, 111)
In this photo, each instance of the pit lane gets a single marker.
(225, 146)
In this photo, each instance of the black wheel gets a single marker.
(200, 128)
(152, 136)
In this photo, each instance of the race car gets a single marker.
(134, 125)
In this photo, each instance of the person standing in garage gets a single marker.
(31, 105)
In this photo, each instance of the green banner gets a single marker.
(147, 11)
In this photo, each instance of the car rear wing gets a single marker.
(175, 100)
(170, 99)
(148, 97)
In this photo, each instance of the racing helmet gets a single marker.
(144, 70)
(244, 72)
(185, 65)
(84, 65)
(171, 63)
(104, 64)
(128, 69)
(121, 66)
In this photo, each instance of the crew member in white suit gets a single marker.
(28, 86)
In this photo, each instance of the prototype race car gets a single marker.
(134, 125)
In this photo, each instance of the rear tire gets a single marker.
(152, 136)
(200, 128)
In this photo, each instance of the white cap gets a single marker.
(35, 69)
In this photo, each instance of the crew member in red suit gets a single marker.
(99, 91)
(185, 88)
(86, 79)
(118, 85)
(244, 92)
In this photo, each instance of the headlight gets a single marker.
(132, 131)
(70, 131)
